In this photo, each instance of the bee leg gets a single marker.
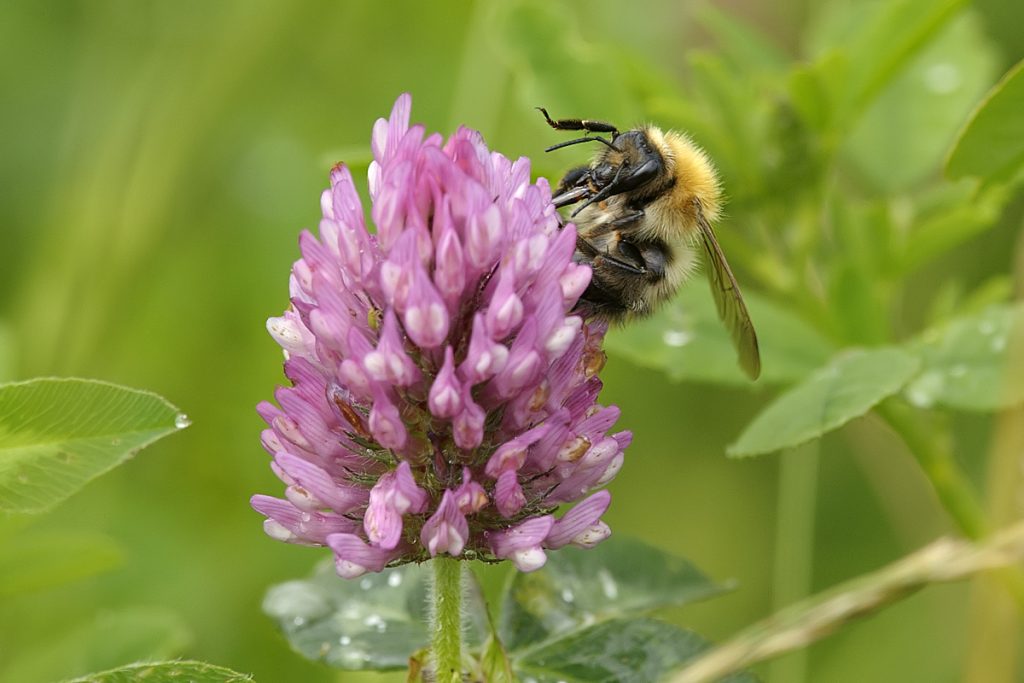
(579, 124)
(627, 219)
(630, 261)
(605, 192)
(575, 177)
(627, 182)
(570, 197)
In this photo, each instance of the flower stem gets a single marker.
(446, 639)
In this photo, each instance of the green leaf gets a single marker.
(948, 216)
(846, 388)
(111, 640)
(966, 364)
(902, 137)
(494, 662)
(615, 651)
(32, 561)
(374, 622)
(992, 142)
(620, 577)
(56, 435)
(183, 671)
(813, 89)
(7, 353)
(878, 40)
(687, 341)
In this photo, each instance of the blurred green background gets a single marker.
(159, 160)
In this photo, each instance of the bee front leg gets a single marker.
(575, 177)
(626, 219)
(588, 125)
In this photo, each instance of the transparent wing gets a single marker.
(729, 300)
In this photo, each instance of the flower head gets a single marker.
(443, 392)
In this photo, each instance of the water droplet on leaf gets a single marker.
(181, 420)
(608, 585)
(354, 658)
(925, 389)
(942, 78)
(676, 338)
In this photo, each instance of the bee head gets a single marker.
(632, 149)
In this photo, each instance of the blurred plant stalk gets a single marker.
(794, 543)
(112, 204)
(993, 625)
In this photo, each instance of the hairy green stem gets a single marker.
(446, 637)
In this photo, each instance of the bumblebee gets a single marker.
(644, 204)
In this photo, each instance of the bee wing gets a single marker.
(731, 308)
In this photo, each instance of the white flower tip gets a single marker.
(349, 570)
(529, 559)
(277, 531)
(591, 536)
(285, 332)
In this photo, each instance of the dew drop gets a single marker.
(298, 621)
(350, 611)
(567, 595)
(366, 583)
(942, 78)
(923, 392)
(395, 579)
(354, 657)
(344, 640)
(115, 442)
(181, 420)
(676, 338)
(375, 621)
(608, 585)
